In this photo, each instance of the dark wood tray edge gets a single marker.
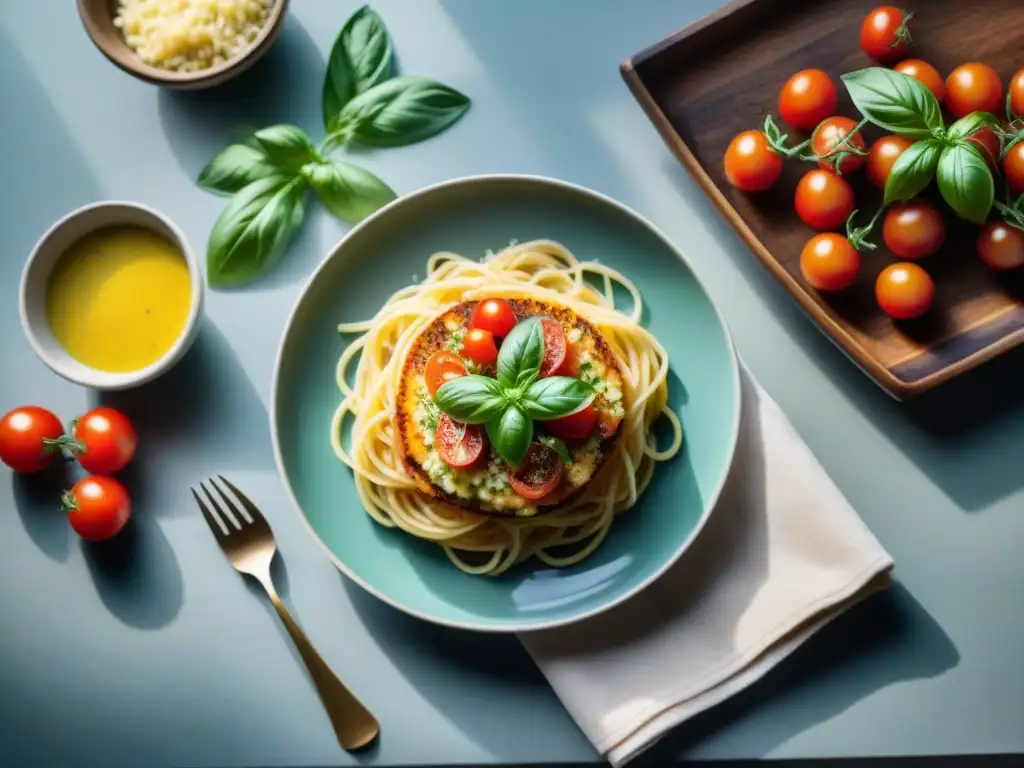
(883, 376)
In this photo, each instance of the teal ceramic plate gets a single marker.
(469, 216)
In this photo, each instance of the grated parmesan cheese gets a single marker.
(190, 35)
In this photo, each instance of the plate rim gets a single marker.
(713, 497)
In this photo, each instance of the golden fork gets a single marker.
(249, 546)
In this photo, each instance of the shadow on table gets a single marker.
(887, 639)
(941, 431)
(37, 499)
(202, 416)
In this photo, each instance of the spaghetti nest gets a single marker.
(481, 543)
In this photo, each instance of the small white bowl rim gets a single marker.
(107, 380)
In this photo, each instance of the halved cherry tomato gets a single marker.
(1001, 246)
(555, 357)
(494, 315)
(904, 291)
(830, 138)
(460, 445)
(575, 426)
(807, 98)
(829, 262)
(987, 142)
(442, 367)
(1013, 168)
(106, 440)
(479, 346)
(882, 157)
(539, 473)
(823, 200)
(973, 87)
(1016, 89)
(913, 229)
(98, 507)
(926, 73)
(884, 35)
(608, 422)
(750, 162)
(24, 436)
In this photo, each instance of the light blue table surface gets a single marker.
(153, 652)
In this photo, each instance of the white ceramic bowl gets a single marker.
(34, 279)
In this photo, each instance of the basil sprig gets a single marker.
(508, 404)
(903, 105)
(270, 172)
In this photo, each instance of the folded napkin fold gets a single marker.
(782, 554)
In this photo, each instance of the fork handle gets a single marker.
(353, 724)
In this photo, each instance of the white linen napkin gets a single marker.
(782, 554)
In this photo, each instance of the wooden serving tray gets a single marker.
(722, 74)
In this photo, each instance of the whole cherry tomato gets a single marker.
(807, 98)
(831, 139)
(823, 200)
(750, 162)
(914, 229)
(28, 438)
(442, 367)
(884, 35)
(883, 156)
(926, 73)
(987, 142)
(106, 441)
(904, 291)
(494, 315)
(829, 263)
(478, 345)
(1013, 168)
(973, 87)
(1001, 246)
(98, 507)
(1017, 94)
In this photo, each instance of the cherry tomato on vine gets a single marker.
(904, 291)
(823, 200)
(973, 87)
(985, 139)
(98, 507)
(807, 98)
(479, 346)
(830, 138)
(750, 162)
(494, 315)
(1013, 168)
(442, 367)
(914, 229)
(28, 438)
(829, 263)
(884, 35)
(1001, 246)
(106, 441)
(882, 157)
(1016, 89)
(926, 73)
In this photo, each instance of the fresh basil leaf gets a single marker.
(894, 101)
(510, 434)
(471, 399)
(521, 354)
(556, 396)
(360, 59)
(400, 111)
(965, 182)
(287, 146)
(254, 229)
(913, 170)
(235, 167)
(558, 446)
(350, 192)
(969, 124)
